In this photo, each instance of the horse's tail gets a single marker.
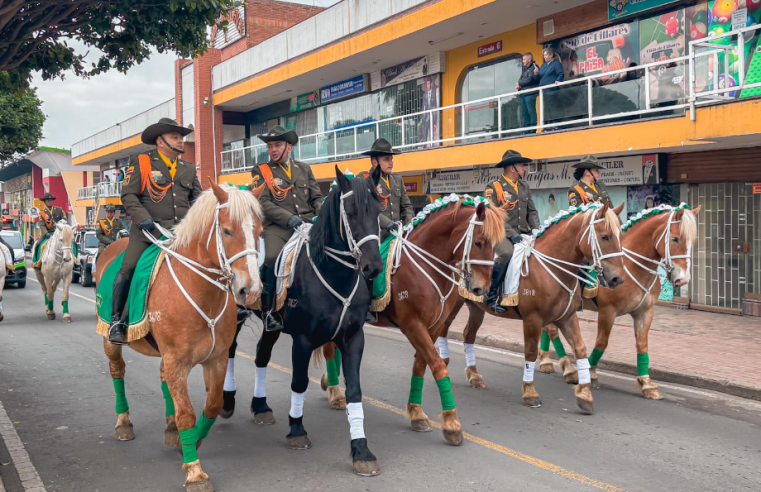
(318, 357)
(326, 352)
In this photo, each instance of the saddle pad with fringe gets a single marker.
(137, 302)
(381, 285)
(37, 259)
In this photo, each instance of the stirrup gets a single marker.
(113, 336)
(270, 318)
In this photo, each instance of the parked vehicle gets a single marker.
(18, 275)
(87, 249)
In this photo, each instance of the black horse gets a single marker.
(340, 259)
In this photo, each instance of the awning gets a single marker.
(24, 166)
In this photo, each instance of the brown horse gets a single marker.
(453, 246)
(549, 293)
(192, 318)
(656, 237)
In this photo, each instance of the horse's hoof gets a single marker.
(366, 468)
(477, 383)
(299, 443)
(586, 406)
(572, 378)
(324, 382)
(532, 402)
(2, 317)
(337, 398)
(548, 368)
(475, 379)
(172, 438)
(226, 414)
(421, 426)
(125, 433)
(453, 437)
(202, 486)
(595, 384)
(652, 394)
(51, 316)
(67, 319)
(264, 418)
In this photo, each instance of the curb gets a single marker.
(659, 375)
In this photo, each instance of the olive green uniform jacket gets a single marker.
(576, 199)
(106, 239)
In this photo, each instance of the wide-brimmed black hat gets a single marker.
(588, 162)
(381, 147)
(279, 134)
(165, 125)
(48, 196)
(512, 157)
(110, 208)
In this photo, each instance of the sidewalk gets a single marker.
(711, 351)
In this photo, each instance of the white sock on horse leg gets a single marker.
(528, 371)
(356, 417)
(582, 366)
(297, 404)
(470, 354)
(443, 347)
(260, 384)
(230, 376)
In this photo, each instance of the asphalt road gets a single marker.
(56, 390)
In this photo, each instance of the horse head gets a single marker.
(601, 244)
(487, 229)
(66, 235)
(675, 244)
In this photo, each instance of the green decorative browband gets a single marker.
(653, 211)
(441, 203)
(564, 214)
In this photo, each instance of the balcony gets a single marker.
(631, 94)
(101, 190)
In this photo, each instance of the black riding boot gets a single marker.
(497, 278)
(117, 332)
(269, 293)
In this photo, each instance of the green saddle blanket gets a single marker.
(38, 254)
(381, 291)
(137, 301)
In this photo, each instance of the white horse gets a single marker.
(3, 271)
(57, 266)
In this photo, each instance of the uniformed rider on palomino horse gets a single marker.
(108, 228)
(158, 188)
(49, 215)
(292, 197)
(587, 188)
(514, 195)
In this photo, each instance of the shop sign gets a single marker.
(34, 212)
(6, 211)
(305, 101)
(345, 88)
(409, 70)
(621, 171)
(14, 213)
(410, 187)
(757, 188)
(739, 19)
(490, 48)
(624, 8)
(236, 28)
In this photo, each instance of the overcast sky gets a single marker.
(77, 108)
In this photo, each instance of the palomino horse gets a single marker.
(57, 266)
(327, 301)
(662, 236)
(548, 278)
(209, 267)
(453, 246)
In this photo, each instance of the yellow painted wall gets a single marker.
(514, 42)
(73, 180)
(127, 143)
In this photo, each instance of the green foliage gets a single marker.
(21, 121)
(33, 34)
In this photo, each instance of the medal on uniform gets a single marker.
(157, 176)
(278, 181)
(508, 196)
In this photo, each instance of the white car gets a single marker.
(16, 241)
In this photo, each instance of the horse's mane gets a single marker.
(241, 204)
(67, 234)
(585, 212)
(688, 231)
(329, 219)
(494, 223)
(611, 221)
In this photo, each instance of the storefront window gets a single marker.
(486, 80)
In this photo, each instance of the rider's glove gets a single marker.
(146, 225)
(516, 238)
(393, 227)
(294, 222)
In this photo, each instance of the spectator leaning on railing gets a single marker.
(529, 79)
(551, 73)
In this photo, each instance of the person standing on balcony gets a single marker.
(550, 74)
(292, 197)
(529, 79)
(514, 194)
(158, 188)
(108, 228)
(49, 214)
(587, 188)
(429, 123)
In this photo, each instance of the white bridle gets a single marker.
(224, 274)
(666, 262)
(57, 253)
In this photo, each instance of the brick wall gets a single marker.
(208, 124)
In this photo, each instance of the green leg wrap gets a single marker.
(559, 349)
(189, 438)
(46, 299)
(445, 392)
(643, 364)
(121, 398)
(595, 357)
(65, 305)
(544, 345)
(168, 402)
(334, 369)
(203, 426)
(416, 390)
(338, 360)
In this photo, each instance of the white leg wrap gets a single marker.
(230, 376)
(528, 371)
(582, 366)
(1, 306)
(297, 404)
(443, 347)
(470, 354)
(356, 417)
(260, 388)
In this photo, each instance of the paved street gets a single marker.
(56, 390)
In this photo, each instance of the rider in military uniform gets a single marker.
(158, 187)
(510, 192)
(49, 215)
(587, 188)
(395, 203)
(108, 228)
(292, 197)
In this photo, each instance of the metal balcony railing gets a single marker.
(101, 190)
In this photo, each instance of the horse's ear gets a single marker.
(258, 191)
(480, 211)
(696, 209)
(376, 175)
(604, 209)
(620, 208)
(343, 181)
(218, 191)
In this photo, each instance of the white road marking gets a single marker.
(30, 479)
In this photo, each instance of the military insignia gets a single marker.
(256, 179)
(489, 192)
(378, 188)
(126, 179)
(130, 170)
(508, 197)
(278, 182)
(157, 176)
(98, 300)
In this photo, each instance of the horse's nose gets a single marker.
(243, 292)
(478, 291)
(615, 282)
